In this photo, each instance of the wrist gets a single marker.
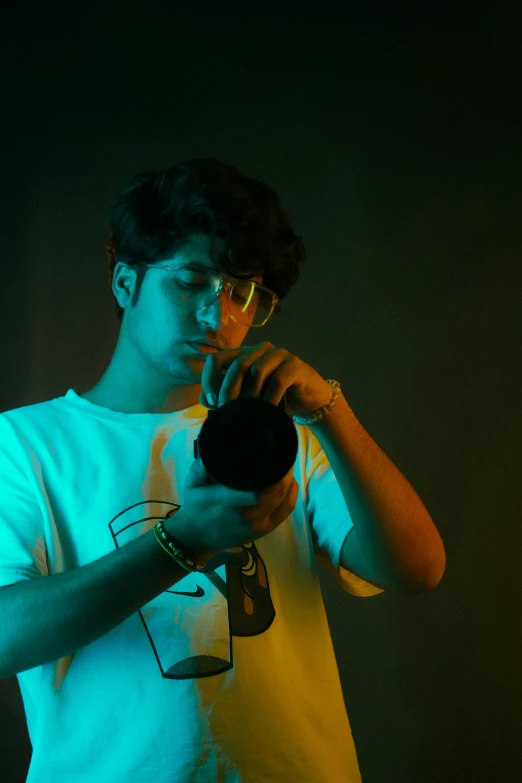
(192, 548)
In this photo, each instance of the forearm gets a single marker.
(395, 531)
(50, 617)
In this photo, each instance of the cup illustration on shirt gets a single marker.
(191, 624)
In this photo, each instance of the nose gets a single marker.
(217, 313)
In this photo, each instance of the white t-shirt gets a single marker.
(229, 676)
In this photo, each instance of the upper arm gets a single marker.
(4, 587)
(354, 560)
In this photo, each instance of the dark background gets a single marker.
(395, 140)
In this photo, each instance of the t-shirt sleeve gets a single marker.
(22, 541)
(330, 520)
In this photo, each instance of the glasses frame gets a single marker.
(224, 283)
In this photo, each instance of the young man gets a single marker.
(131, 667)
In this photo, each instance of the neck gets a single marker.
(126, 388)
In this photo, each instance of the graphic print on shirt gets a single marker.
(190, 626)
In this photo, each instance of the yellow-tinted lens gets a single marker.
(250, 303)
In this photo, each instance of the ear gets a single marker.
(123, 283)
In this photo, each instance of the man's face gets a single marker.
(154, 334)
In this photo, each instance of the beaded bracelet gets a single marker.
(173, 550)
(318, 415)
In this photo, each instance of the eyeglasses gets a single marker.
(251, 304)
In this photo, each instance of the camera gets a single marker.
(248, 443)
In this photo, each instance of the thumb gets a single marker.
(198, 474)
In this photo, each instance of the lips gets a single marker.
(203, 348)
(206, 341)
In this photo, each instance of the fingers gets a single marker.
(276, 500)
(287, 505)
(280, 485)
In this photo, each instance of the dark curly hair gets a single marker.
(155, 214)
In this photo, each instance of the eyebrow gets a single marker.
(212, 267)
